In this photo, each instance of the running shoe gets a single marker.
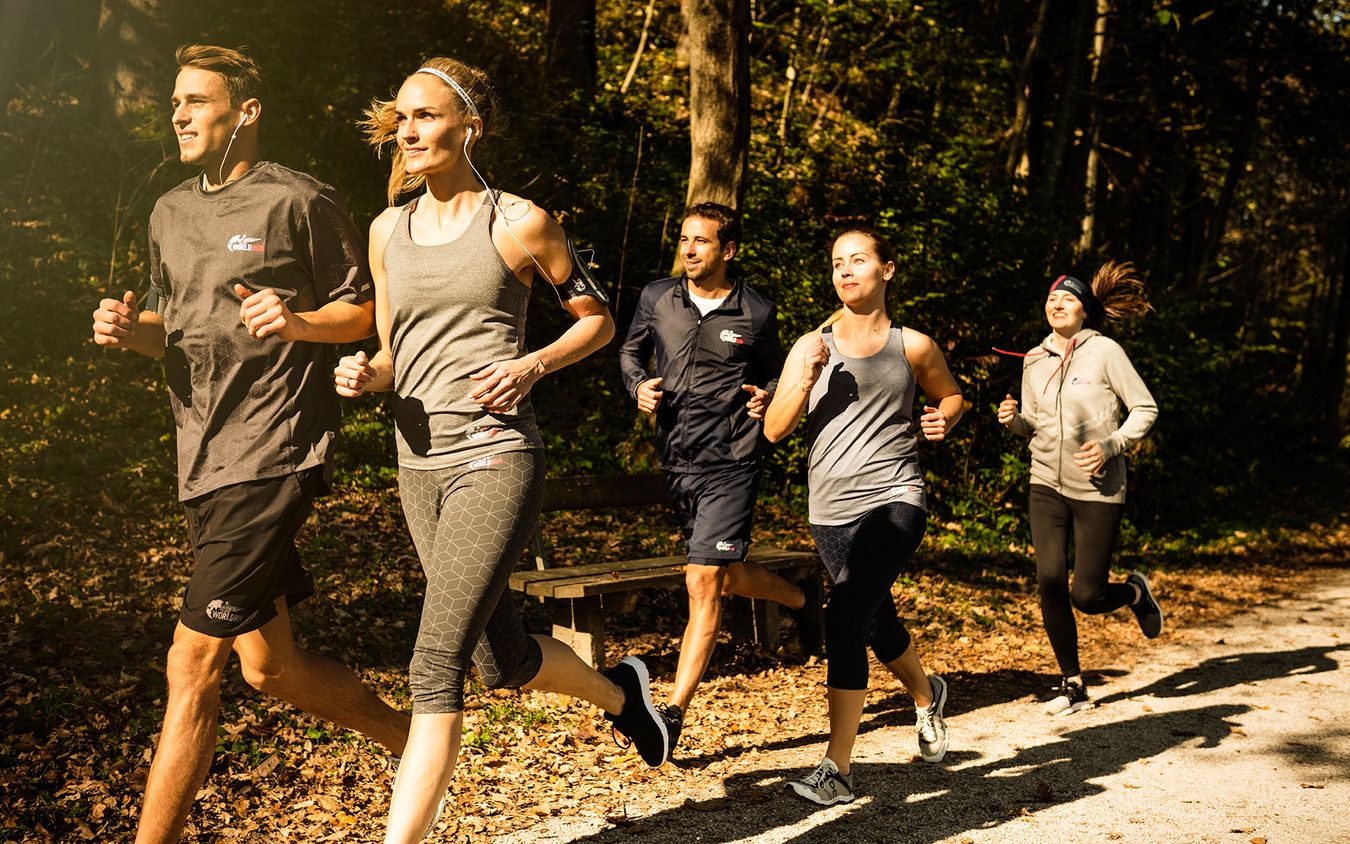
(810, 619)
(639, 720)
(825, 785)
(931, 726)
(1069, 698)
(674, 718)
(1146, 609)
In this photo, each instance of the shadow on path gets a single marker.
(1222, 672)
(914, 802)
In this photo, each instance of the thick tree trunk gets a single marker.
(569, 38)
(132, 57)
(13, 24)
(1087, 232)
(719, 99)
(1018, 163)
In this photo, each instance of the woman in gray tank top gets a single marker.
(856, 378)
(453, 270)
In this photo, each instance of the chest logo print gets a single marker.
(244, 243)
(730, 336)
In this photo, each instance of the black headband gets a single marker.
(1072, 285)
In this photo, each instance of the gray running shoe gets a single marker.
(931, 726)
(1069, 698)
(825, 785)
(1147, 611)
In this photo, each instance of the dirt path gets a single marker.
(1238, 731)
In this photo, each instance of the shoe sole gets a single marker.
(941, 701)
(1148, 590)
(645, 687)
(1069, 710)
(808, 794)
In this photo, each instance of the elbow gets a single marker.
(774, 433)
(606, 333)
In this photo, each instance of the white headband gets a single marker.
(459, 89)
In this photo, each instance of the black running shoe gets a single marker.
(1069, 698)
(1146, 610)
(674, 718)
(810, 620)
(639, 720)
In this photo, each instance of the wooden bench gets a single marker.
(580, 596)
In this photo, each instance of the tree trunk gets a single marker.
(131, 58)
(1079, 30)
(13, 23)
(569, 39)
(1018, 163)
(1244, 136)
(719, 99)
(1087, 232)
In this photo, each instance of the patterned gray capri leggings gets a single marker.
(470, 525)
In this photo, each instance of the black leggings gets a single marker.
(864, 558)
(1094, 525)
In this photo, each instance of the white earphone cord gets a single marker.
(220, 175)
(496, 201)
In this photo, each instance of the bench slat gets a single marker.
(605, 491)
(629, 575)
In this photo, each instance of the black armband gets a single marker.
(581, 282)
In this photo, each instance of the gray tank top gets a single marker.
(860, 430)
(454, 308)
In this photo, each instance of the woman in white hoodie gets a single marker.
(1073, 386)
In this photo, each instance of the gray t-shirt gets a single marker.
(860, 430)
(245, 408)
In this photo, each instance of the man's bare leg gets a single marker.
(705, 584)
(323, 687)
(752, 580)
(188, 736)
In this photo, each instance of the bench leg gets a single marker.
(756, 620)
(580, 624)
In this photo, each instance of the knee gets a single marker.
(1052, 582)
(194, 666)
(842, 625)
(267, 674)
(705, 584)
(515, 674)
(1086, 599)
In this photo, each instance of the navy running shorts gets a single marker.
(716, 511)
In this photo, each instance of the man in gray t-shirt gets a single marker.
(253, 269)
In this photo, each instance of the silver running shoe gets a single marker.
(825, 785)
(930, 725)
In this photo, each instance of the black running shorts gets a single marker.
(243, 542)
(716, 509)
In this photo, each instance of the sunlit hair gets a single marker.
(1119, 294)
(728, 220)
(243, 79)
(880, 245)
(381, 122)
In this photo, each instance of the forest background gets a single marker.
(997, 143)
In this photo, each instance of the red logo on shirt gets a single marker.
(244, 243)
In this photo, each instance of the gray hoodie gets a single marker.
(1071, 399)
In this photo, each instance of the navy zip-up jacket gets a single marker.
(702, 422)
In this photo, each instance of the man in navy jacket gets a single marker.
(712, 344)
